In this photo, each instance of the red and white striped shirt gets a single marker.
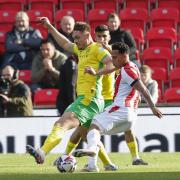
(125, 95)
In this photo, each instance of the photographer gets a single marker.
(15, 96)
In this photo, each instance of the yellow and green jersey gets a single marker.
(93, 55)
(108, 86)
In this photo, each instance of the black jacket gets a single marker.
(124, 36)
(67, 85)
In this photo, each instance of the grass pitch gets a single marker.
(162, 166)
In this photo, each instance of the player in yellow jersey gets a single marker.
(89, 99)
(102, 36)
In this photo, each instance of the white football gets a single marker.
(66, 163)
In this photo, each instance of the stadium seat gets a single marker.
(25, 76)
(168, 4)
(108, 4)
(43, 5)
(45, 97)
(138, 37)
(33, 14)
(164, 17)
(174, 77)
(172, 95)
(177, 58)
(77, 14)
(2, 41)
(157, 57)
(98, 16)
(178, 39)
(74, 4)
(139, 4)
(160, 75)
(160, 97)
(13, 5)
(7, 19)
(134, 17)
(162, 37)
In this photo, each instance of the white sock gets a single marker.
(92, 161)
(93, 139)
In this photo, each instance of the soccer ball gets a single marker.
(66, 163)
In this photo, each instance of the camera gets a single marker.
(4, 86)
(4, 89)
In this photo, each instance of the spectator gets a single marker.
(22, 43)
(15, 96)
(46, 66)
(120, 35)
(152, 85)
(67, 85)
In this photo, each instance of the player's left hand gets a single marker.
(89, 70)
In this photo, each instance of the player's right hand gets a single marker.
(44, 21)
(157, 112)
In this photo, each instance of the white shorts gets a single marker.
(115, 119)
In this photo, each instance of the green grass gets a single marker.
(162, 166)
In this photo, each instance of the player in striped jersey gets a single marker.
(121, 115)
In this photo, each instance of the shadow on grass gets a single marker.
(95, 176)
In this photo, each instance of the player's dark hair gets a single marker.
(121, 47)
(82, 26)
(101, 28)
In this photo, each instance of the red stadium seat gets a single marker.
(168, 4)
(172, 95)
(138, 35)
(157, 57)
(43, 5)
(177, 58)
(108, 4)
(160, 75)
(174, 77)
(77, 14)
(33, 14)
(2, 41)
(139, 4)
(98, 16)
(45, 98)
(160, 97)
(164, 17)
(16, 5)
(162, 37)
(7, 20)
(74, 4)
(134, 17)
(25, 76)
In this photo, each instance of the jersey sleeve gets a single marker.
(102, 53)
(75, 49)
(131, 75)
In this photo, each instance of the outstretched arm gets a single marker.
(138, 85)
(108, 68)
(61, 39)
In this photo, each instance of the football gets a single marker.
(66, 163)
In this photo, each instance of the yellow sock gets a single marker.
(53, 138)
(133, 148)
(104, 156)
(70, 147)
